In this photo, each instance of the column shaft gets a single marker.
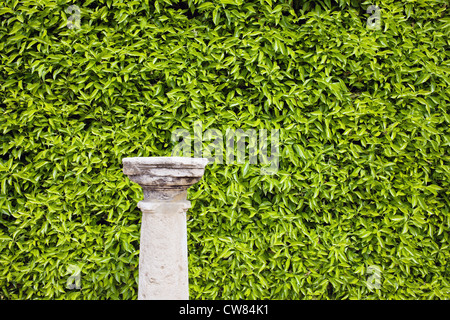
(163, 257)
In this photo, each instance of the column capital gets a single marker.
(164, 207)
(164, 178)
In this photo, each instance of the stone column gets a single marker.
(163, 257)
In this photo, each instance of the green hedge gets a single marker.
(364, 172)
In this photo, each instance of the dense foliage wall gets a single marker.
(359, 207)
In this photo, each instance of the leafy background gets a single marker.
(364, 165)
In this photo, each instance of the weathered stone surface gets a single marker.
(164, 172)
(163, 258)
